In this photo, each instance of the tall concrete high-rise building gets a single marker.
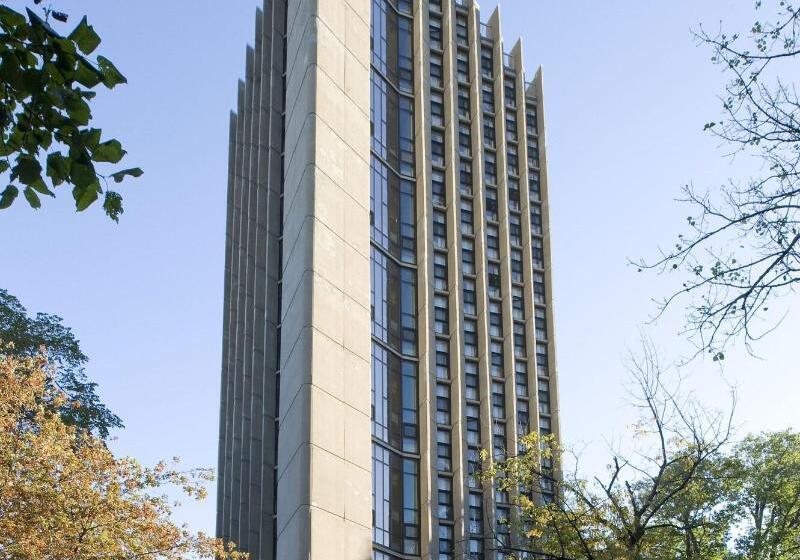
(388, 308)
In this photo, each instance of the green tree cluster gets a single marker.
(47, 82)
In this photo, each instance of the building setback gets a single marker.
(388, 304)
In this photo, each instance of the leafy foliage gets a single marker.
(28, 336)
(742, 248)
(47, 82)
(682, 491)
(657, 503)
(63, 494)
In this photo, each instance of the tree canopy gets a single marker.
(741, 252)
(64, 495)
(30, 335)
(47, 138)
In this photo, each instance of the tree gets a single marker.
(63, 494)
(47, 82)
(81, 406)
(742, 249)
(768, 505)
(658, 502)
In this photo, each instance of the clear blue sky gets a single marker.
(627, 93)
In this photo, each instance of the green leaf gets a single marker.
(87, 75)
(113, 205)
(7, 197)
(78, 109)
(32, 197)
(40, 186)
(57, 168)
(111, 76)
(110, 151)
(85, 37)
(27, 169)
(82, 174)
(120, 175)
(10, 18)
(84, 196)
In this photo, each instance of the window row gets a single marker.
(394, 400)
(395, 502)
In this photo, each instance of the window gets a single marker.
(475, 549)
(503, 529)
(473, 425)
(511, 130)
(444, 455)
(538, 287)
(471, 380)
(464, 140)
(462, 66)
(521, 378)
(487, 97)
(392, 125)
(470, 297)
(465, 176)
(442, 359)
(462, 34)
(392, 43)
(446, 549)
(437, 106)
(544, 402)
(392, 214)
(466, 217)
(512, 160)
(394, 400)
(491, 204)
(520, 348)
(498, 441)
(516, 266)
(498, 400)
(475, 505)
(510, 92)
(496, 356)
(444, 487)
(531, 120)
(492, 238)
(441, 318)
(395, 500)
(536, 219)
(540, 317)
(468, 256)
(443, 404)
(533, 185)
(541, 360)
(523, 419)
(394, 304)
(437, 147)
(470, 338)
(488, 133)
(439, 229)
(487, 62)
(545, 425)
(436, 70)
(437, 187)
(537, 251)
(473, 466)
(463, 102)
(544, 396)
(495, 319)
(517, 303)
(435, 31)
(440, 271)
(533, 153)
(490, 168)
(513, 193)
(493, 274)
